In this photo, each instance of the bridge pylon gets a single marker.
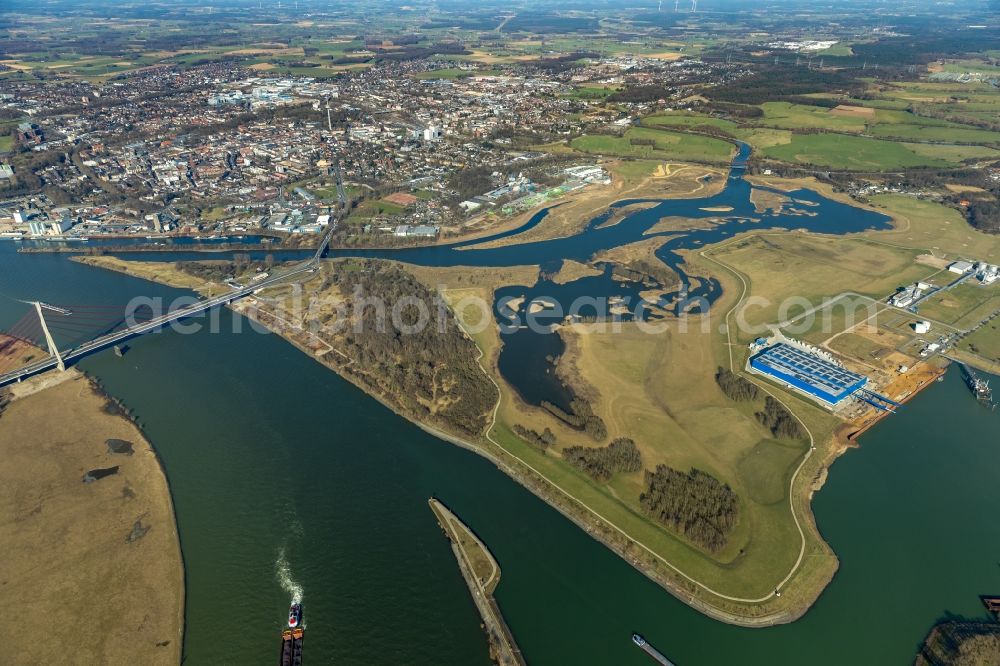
(53, 349)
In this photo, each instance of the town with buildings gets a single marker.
(423, 147)
(621, 283)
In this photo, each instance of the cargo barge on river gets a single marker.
(644, 645)
(980, 387)
(292, 637)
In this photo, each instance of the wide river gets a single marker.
(286, 477)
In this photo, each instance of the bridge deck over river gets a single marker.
(113, 338)
(109, 339)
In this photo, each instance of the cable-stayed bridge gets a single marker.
(45, 319)
(93, 328)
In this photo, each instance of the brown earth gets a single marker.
(16, 353)
(90, 573)
(853, 111)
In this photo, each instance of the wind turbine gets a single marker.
(676, 5)
(694, 6)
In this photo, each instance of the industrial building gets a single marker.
(419, 231)
(807, 372)
(987, 273)
(960, 267)
(907, 296)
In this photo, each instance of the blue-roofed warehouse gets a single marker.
(808, 373)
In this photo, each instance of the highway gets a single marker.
(110, 339)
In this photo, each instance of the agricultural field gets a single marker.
(689, 120)
(985, 342)
(876, 117)
(89, 67)
(934, 228)
(784, 115)
(521, 50)
(962, 306)
(856, 153)
(837, 50)
(665, 145)
(935, 133)
(287, 51)
(892, 127)
(791, 270)
(963, 66)
(946, 95)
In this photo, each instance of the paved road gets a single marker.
(189, 311)
(182, 313)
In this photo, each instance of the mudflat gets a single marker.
(90, 572)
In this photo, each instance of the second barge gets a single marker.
(641, 643)
(291, 638)
(291, 647)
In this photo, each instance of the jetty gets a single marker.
(992, 604)
(482, 574)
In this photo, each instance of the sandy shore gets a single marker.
(92, 571)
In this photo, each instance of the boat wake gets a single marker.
(283, 572)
